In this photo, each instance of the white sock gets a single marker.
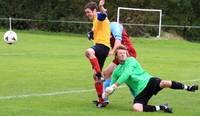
(157, 108)
(185, 87)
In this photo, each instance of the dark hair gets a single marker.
(91, 6)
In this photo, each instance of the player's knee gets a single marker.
(137, 107)
(165, 84)
(106, 74)
(89, 52)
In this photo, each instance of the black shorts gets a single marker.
(152, 88)
(101, 52)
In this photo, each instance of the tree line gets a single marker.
(175, 12)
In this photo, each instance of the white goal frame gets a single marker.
(146, 10)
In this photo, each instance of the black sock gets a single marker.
(162, 107)
(177, 85)
(98, 75)
(191, 88)
(149, 108)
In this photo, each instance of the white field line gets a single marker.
(194, 80)
(46, 94)
(62, 92)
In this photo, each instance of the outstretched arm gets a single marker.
(116, 44)
(101, 7)
(116, 30)
(115, 83)
(103, 12)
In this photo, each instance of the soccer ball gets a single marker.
(10, 37)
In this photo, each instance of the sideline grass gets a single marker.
(42, 62)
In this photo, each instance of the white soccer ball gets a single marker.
(10, 37)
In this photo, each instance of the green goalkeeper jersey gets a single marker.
(132, 74)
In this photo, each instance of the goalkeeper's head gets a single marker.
(121, 54)
(91, 10)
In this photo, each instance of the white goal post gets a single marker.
(146, 10)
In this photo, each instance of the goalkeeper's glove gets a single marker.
(90, 35)
(109, 90)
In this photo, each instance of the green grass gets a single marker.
(42, 62)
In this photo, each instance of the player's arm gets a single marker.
(116, 83)
(114, 76)
(103, 12)
(91, 34)
(116, 44)
(109, 90)
(128, 70)
(116, 31)
(101, 7)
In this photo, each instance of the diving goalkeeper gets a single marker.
(142, 85)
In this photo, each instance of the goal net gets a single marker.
(141, 22)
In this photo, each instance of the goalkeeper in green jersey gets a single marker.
(141, 84)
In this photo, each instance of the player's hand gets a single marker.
(90, 35)
(101, 7)
(109, 90)
(111, 53)
(101, 2)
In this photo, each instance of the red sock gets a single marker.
(95, 64)
(99, 89)
(98, 86)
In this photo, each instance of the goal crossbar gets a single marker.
(146, 10)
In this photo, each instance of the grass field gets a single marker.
(47, 74)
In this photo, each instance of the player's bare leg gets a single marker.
(90, 54)
(108, 71)
(107, 75)
(138, 107)
(177, 85)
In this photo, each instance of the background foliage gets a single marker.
(175, 12)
